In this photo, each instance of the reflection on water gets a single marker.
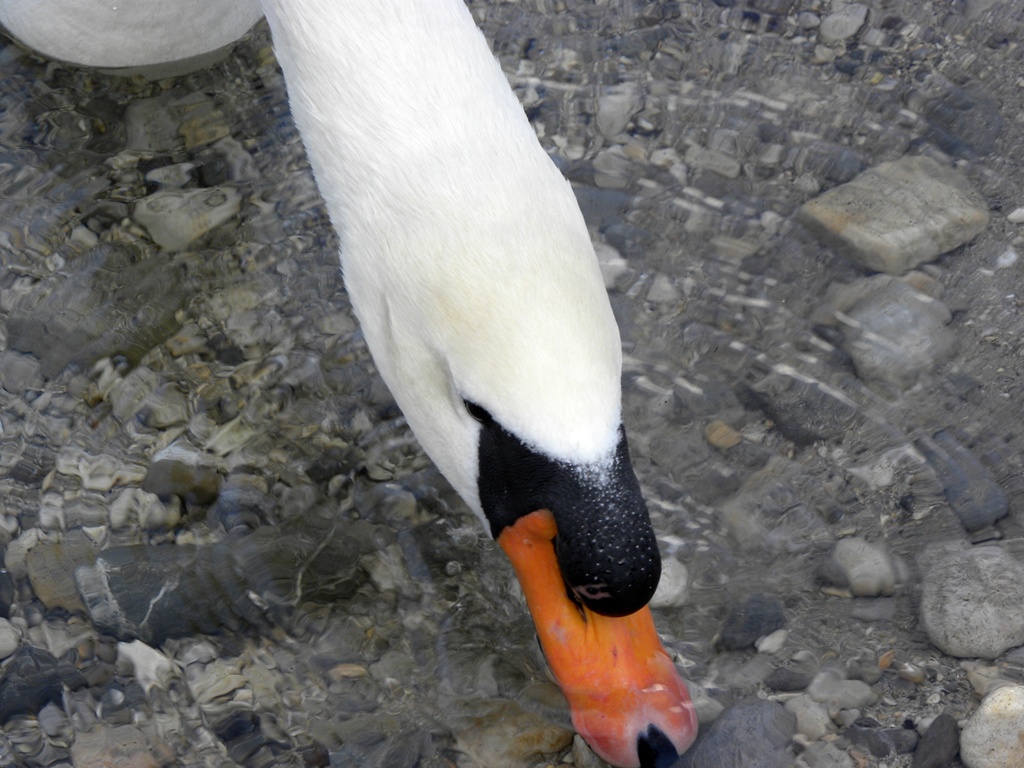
(194, 441)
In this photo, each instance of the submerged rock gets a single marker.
(970, 606)
(898, 214)
(992, 737)
(751, 733)
(177, 218)
(108, 301)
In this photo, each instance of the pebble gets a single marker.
(152, 669)
(812, 718)
(796, 674)
(829, 688)
(866, 219)
(721, 435)
(616, 107)
(844, 23)
(939, 743)
(992, 736)
(674, 587)
(970, 604)
(864, 568)
(177, 218)
(1016, 216)
(751, 733)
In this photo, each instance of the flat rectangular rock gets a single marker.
(898, 214)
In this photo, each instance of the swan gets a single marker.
(471, 271)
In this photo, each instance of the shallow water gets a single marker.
(173, 321)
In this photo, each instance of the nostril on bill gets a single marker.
(655, 749)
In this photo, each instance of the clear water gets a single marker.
(241, 349)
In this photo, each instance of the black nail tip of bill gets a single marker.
(655, 749)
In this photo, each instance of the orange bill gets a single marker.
(625, 695)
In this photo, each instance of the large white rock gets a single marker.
(971, 602)
(994, 736)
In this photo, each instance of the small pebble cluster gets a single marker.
(222, 546)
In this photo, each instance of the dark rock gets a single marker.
(32, 678)
(969, 487)
(241, 506)
(879, 741)
(751, 733)
(155, 593)
(795, 675)
(939, 744)
(747, 621)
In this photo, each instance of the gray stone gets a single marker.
(751, 733)
(970, 605)
(616, 107)
(177, 218)
(836, 693)
(844, 23)
(891, 331)
(109, 301)
(898, 214)
(939, 743)
(970, 489)
(862, 567)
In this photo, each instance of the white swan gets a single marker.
(470, 268)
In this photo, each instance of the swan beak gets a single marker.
(625, 695)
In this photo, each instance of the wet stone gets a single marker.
(890, 330)
(864, 568)
(939, 743)
(751, 733)
(844, 23)
(122, 745)
(755, 617)
(898, 214)
(51, 565)
(195, 483)
(970, 488)
(831, 689)
(19, 372)
(991, 738)
(505, 734)
(31, 678)
(108, 301)
(795, 675)
(175, 219)
(970, 604)
(880, 741)
(812, 718)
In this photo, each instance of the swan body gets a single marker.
(121, 34)
(471, 271)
